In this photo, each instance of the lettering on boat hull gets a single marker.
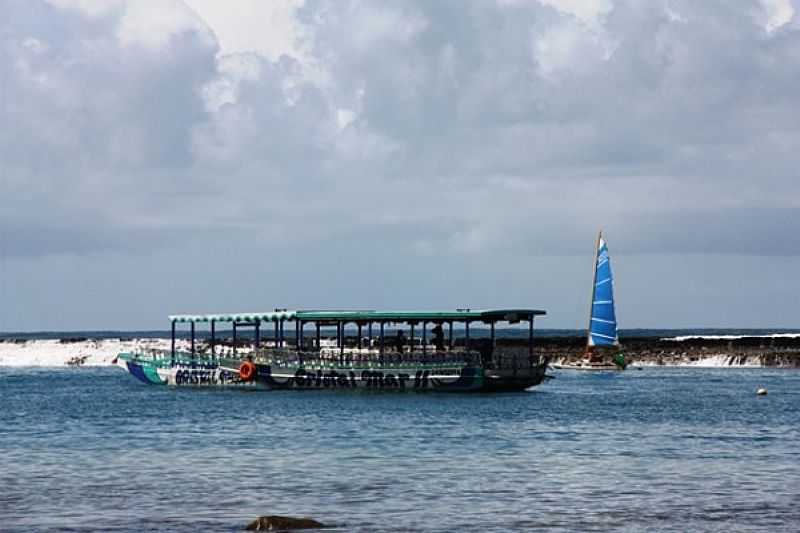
(389, 379)
(463, 379)
(213, 373)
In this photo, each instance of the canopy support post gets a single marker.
(424, 337)
(299, 328)
(382, 343)
(258, 334)
(281, 332)
(530, 342)
(450, 338)
(411, 340)
(466, 336)
(234, 338)
(172, 357)
(359, 335)
(341, 343)
(319, 335)
(213, 339)
(192, 342)
(492, 337)
(300, 341)
(276, 334)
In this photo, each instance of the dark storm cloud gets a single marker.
(764, 232)
(654, 109)
(473, 117)
(91, 127)
(482, 142)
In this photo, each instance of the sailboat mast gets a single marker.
(591, 296)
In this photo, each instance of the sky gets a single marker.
(164, 156)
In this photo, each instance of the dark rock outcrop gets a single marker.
(758, 351)
(78, 360)
(282, 523)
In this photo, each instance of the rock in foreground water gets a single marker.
(278, 523)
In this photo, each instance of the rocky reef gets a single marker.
(686, 351)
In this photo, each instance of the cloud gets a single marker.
(253, 26)
(449, 132)
(555, 116)
(590, 12)
(100, 121)
(569, 47)
(778, 13)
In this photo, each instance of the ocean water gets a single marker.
(664, 449)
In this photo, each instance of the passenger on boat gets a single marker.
(438, 337)
(485, 349)
(400, 341)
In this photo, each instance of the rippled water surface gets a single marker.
(657, 449)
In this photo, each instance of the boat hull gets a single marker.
(588, 367)
(211, 373)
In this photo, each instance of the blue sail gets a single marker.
(603, 323)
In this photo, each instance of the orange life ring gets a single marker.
(247, 371)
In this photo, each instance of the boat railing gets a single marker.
(351, 357)
(366, 357)
(152, 354)
(166, 358)
(514, 361)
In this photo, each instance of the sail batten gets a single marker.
(603, 320)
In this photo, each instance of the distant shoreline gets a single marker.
(687, 348)
(476, 331)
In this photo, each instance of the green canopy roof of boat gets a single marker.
(458, 315)
(272, 316)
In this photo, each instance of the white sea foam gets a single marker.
(719, 360)
(56, 353)
(731, 337)
(725, 360)
(99, 352)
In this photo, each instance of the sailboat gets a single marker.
(602, 331)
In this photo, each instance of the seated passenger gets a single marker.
(438, 337)
(400, 341)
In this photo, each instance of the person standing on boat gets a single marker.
(400, 340)
(438, 337)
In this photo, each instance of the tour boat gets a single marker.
(602, 335)
(366, 358)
